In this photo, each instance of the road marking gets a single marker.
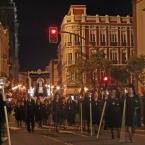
(79, 134)
(139, 135)
(58, 140)
(14, 128)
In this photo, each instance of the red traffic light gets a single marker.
(105, 78)
(53, 34)
(53, 31)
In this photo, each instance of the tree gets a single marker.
(97, 62)
(78, 70)
(89, 66)
(136, 66)
(120, 74)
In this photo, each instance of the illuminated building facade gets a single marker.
(8, 17)
(111, 34)
(4, 52)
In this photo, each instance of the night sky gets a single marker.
(35, 16)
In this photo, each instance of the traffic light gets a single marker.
(53, 34)
(105, 79)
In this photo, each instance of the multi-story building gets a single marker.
(79, 31)
(139, 23)
(54, 75)
(4, 52)
(8, 17)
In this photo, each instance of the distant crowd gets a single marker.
(81, 111)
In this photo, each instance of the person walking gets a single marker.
(30, 114)
(132, 112)
(57, 110)
(2, 117)
(39, 113)
(113, 111)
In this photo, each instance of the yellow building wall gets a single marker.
(140, 15)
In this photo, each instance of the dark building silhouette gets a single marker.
(8, 18)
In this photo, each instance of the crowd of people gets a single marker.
(69, 111)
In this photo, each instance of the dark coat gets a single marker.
(113, 111)
(46, 110)
(56, 110)
(2, 115)
(97, 111)
(86, 108)
(19, 113)
(64, 112)
(143, 104)
(38, 112)
(29, 110)
(133, 111)
(71, 111)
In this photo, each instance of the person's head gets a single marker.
(38, 101)
(113, 93)
(96, 95)
(57, 96)
(131, 90)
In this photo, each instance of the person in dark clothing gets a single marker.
(2, 116)
(30, 113)
(46, 111)
(132, 112)
(57, 110)
(71, 111)
(86, 111)
(113, 111)
(64, 113)
(19, 113)
(143, 106)
(39, 112)
(97, 106)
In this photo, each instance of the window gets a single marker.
(123, 37)
(102, 37)
(92, 36)
(124, 56)
(69, 58)
(114, 56)
(76, 56)
(113, 38)
(77, 38)
(69, 39)
(132, 52)
(132, 38)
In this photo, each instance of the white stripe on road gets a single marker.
(79, 134)
(139, 134)
(58, 140)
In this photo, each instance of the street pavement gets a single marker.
(46, 136)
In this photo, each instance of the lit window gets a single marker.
(69, 58)
(102, 37)
(113, 37)
(123, 37)
(92, 36)
(114, 56)
(124, 56)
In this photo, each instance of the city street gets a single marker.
(72, 72)
(47, 137)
